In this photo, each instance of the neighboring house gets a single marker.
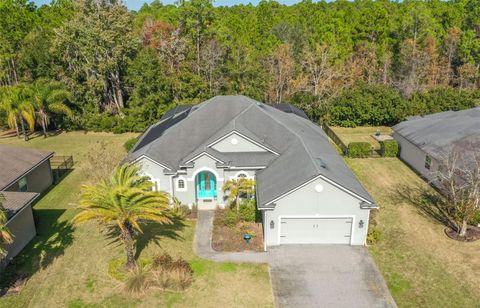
(19, 220)
(24, 169)
(426, 141)
(305, 191)
(24, 174)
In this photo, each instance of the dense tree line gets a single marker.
(349, 63)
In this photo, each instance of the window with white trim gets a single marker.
(22, 184)
(428, 162)
(181, 184)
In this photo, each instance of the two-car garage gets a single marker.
(316, 230)
(309, 215)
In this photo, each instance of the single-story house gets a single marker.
(24, 174)
(20, 220)
(304, 190)
(425, 141)
(25, 169)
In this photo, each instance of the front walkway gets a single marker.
(203, 244)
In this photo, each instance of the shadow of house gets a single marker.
(152, 233)
(53, 237)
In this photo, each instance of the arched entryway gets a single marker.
(206, 185)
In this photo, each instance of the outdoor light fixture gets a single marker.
(272, 224)
(360, 224)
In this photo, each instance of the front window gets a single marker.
(181, 184)
(428, 162)
(22, 184)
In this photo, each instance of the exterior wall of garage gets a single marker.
(307, 202)
(22, 226)
(415, 157)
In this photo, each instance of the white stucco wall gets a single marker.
(155, 172)
(306, 201)
(169, 183)
(415, 157)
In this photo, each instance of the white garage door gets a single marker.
(314, 230)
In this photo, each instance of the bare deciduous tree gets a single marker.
(458, 178)
(281, 68)
(319, 69)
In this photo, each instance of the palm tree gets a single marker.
(122, 202)
(236, 188)
(15, 101)
(5, 235)
(50, 97)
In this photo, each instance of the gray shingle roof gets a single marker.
(16, 161)
(304, 149)
(15, 201)
(436, 133)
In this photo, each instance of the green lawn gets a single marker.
(423, 268)
(68, 267)
(361, 134)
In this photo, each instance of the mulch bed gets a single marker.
(226, 238)
(473, 234)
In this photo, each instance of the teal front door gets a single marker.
(206, 185)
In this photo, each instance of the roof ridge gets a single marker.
(293, 132)
(238, 115)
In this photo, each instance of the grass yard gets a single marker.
(69, 267)
(422, 266)
(361, 134)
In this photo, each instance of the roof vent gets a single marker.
(322, 163)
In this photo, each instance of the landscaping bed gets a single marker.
(473, 234)
(228, 236)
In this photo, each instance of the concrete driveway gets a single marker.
(326, 276)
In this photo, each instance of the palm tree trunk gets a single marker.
(44, 126)
(16, 127)
(127, 236)
(25, 137)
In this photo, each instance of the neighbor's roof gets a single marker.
(436, 133)
(15, 201)
(15, 162)
(303, 148)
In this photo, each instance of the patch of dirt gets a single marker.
(192, 215)
(230, 238)
(473, 234)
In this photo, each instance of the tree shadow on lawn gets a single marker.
(53, 237)
(152, 233)
(427, 201)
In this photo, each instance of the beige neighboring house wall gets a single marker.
(18, 206)
(38, 179)
(22, 226)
